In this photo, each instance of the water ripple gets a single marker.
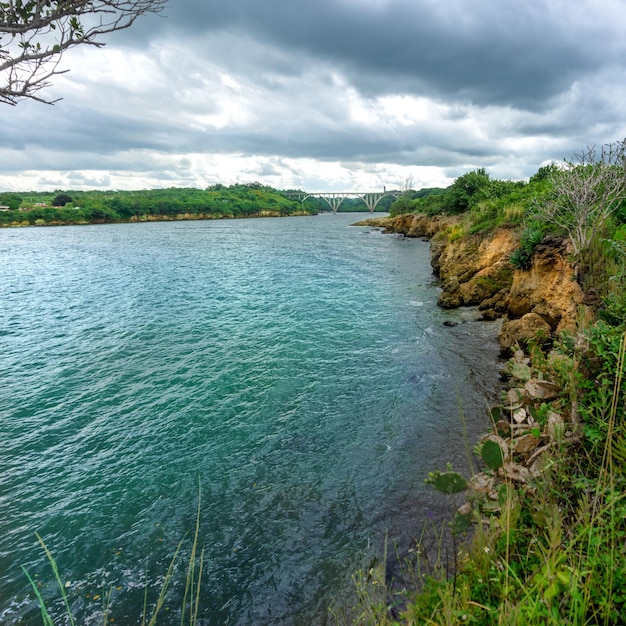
(299, 370)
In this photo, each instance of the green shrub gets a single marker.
(522, 257)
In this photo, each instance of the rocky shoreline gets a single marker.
(535, 416)
(159, 217)
(475, 270)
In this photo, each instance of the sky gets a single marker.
(326, 95)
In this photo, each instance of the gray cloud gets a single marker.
(379, 87)
(512, 53)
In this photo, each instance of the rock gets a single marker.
(474, 269)
(514, 398)
(493, 495)
(450, 297)
(413, 225)
(537, 455)
(489, 315)
(496, 303)
(481, 483)
(555, 426)
(536, 467)
(515, 472)
(520, 357)
(520, 415)
(547, 288)
(526, 444)
(465, 509)
(485, 285)
(519, 331)
(542, 389)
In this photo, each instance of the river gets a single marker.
(295, 373)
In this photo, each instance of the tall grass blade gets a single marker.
(55, 569)
(45, 616)
(166, 583)
(191, 570)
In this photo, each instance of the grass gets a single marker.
(553, 549)
(190, 608)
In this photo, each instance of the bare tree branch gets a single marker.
(34, 34)
(585, 193)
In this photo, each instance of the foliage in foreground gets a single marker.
(30, 54)
(190, 605)
(551, 550)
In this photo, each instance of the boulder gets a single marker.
(514, 398)
(475, 270)
(515, 472)
(548, 289)
(481, 483)
(520, 415)
(555, 427)
(542, 389)
(518, 331)
(526, 444)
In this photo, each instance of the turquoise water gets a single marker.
(296, 372)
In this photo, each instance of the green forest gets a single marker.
(216, 202)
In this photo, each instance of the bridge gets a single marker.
(335, 198)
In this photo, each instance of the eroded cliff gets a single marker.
(475, 270)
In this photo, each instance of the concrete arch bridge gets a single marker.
(335, 198)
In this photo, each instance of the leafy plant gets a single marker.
(447, 482)
(520, 259)
(522, 256)
(491, 453)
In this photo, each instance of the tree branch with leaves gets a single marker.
(34, 34)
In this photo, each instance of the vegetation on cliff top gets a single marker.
(547, 514)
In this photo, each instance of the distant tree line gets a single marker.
(218, 201)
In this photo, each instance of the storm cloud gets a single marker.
(326, 94)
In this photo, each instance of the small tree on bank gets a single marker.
(34, 34)
(586, 192)
(61, 199)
